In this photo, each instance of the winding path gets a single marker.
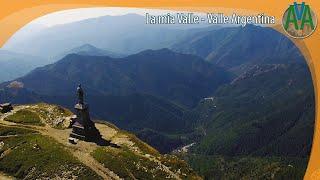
(82, 150)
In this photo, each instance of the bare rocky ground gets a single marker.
(57, 119)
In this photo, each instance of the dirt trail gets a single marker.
(5, 177)
(82, 150)
(87, 159)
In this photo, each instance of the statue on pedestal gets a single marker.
(83, 128)
(80, 94)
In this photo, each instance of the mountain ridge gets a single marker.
(15, 65)
(239, 48)
(54, 157)
(89, 50)
(157, 72)
(50, 42)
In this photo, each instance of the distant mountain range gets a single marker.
(14, 65)
(177, 77)
(89, 50)
(239, 48)
(148, 90)
(127, 34)
(236, 92)
(234, 48)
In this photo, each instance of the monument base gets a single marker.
(78, 132)
(83, 128)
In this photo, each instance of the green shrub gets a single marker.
(25, 117)
(5, 131)
(127, 164)
(36, 156)
(247, 167)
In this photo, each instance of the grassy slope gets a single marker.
(247, 167)
(27, 153)
(25, 117)
(127, 164)
(257, 112)
(141, 162)
(33, 156)
(257, 120)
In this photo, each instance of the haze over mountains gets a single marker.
(90, 50)
(14, 65)
(259, 87)
(177, 77)
(117, 36)
(236, 48)
(127, 33)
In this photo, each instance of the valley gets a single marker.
(230, 101)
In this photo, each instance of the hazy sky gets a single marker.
(73, 15)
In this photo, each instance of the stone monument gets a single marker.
(83, 127)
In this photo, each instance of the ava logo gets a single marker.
(299, 21)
